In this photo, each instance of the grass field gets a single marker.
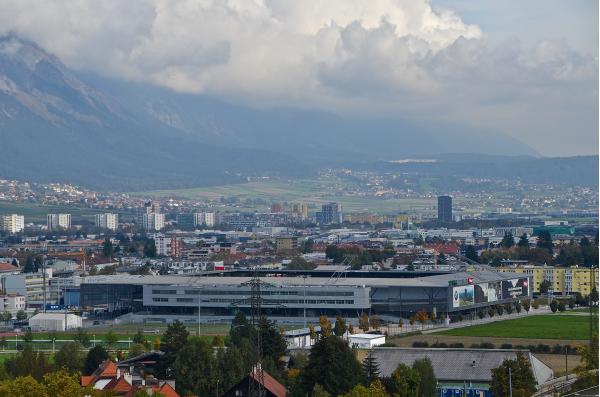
(313, 191)
(551, 326)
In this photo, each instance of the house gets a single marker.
(300, 338)
(113, 377)
(366, 341)
(458, 369)
(272, 387)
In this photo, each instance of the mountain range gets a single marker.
(61, 125)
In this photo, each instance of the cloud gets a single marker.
(400, 57)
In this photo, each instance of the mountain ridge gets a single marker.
(99, 132)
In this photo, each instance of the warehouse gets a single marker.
(54, 322)
(296, 296)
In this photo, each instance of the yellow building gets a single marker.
(287, 243)
(563, 280)
(300, 209)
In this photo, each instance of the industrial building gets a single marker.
(300, 295)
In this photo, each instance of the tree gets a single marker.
(21, 315)
(499, 309)
(370, 368)
(107, 248)
(561, 306)
(471, 253)
(195, 369)
(325, 326)
(508, 307)
(82, 337)
(508, 240)
(340, 327)
(374, 321)
(518, 307)
(174, 339)
(231, 367)
(110, 338)
(527, 305)
(523, 241)
(6, 317)
(64, 384)
(412, 321)
(428, 381)
(545, 240)
(535, 304)
(422, 317)
(25, 386)
(218, 341)
(69, 358)
(586, 375)
(523, 381)
(299, 263)
(94, 358)
(400, 324)
(363, 321)
(333, 365)
(480, 314)
(490, 312)
(319, 391)
(28, 363)
(404, 382)
(553, 306)
(139, 337)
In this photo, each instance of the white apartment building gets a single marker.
(204, 219)
(107, 221)
(153, 221)
(56, 221)
(12, 303)
(12, 223)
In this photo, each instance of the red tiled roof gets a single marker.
(107, 369)
(7, 267)
(271, 384)
(168, 391)
(119, 385)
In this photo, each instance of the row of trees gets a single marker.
(583, 253)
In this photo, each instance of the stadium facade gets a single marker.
(296, 296)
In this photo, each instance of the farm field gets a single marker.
(313, 191)
(551, 326)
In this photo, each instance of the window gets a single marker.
(164, 291)
(160, 299)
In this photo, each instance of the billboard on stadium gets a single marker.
(488, 292)
(515, 288)
(463, 296)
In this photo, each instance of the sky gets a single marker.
(526, 69)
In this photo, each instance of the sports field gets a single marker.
(551, 326)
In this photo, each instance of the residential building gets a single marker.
(12, 303)
(168, 246)
(445, 209)
(149, 207)
(153, 221)
(58, 221)
(331, 213)
(204, 219)
(107, 221)
(12, 223)
(301, 210)
(186, 221)
(272, 388)
(287, 243)
(129, 378)
(561, 280)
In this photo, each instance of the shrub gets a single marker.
(420, 344)
(506, 346)
(456, 345)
